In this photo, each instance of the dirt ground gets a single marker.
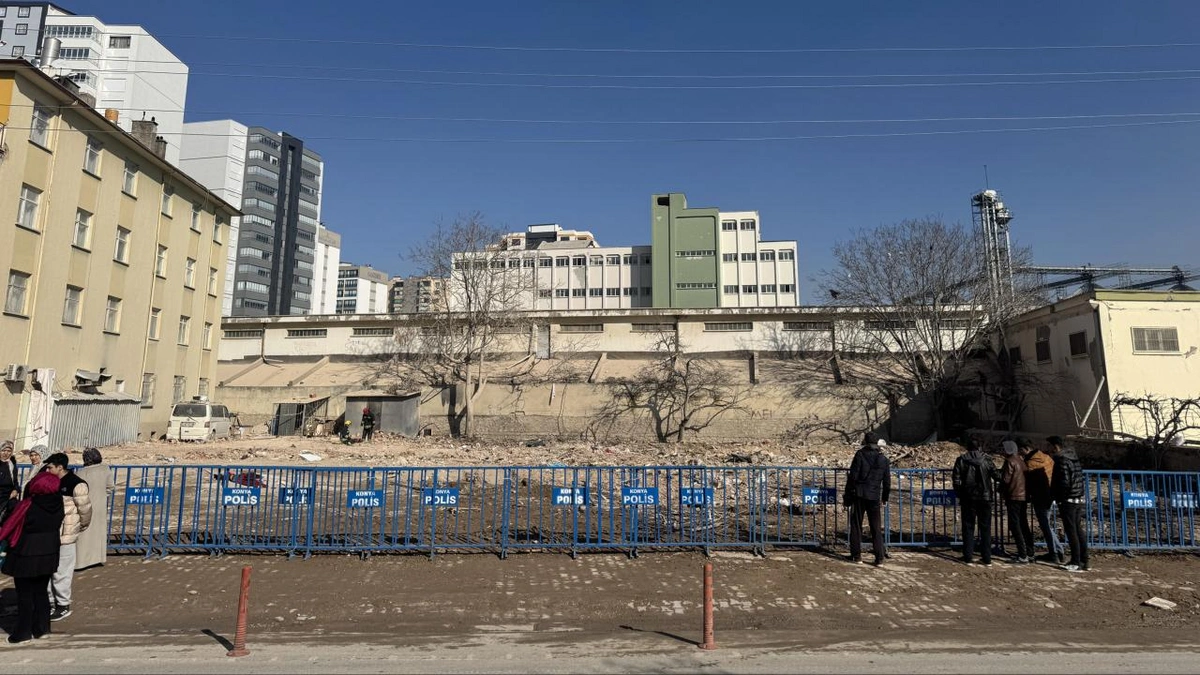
(801, 598)
(401, 451)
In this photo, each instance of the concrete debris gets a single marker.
(1159, 603)
(310, 457)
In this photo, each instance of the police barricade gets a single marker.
(922, 509)
(140, 508)
(803, 506)
(1134, 510)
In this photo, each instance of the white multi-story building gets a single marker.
(361, 289)
(755, 273)
(120, 67)
(328, 260)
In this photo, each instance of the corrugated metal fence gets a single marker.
(94, 423)
(301, 510)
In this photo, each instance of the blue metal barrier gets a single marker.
(303, 510)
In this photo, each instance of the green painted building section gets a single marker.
(685, 253)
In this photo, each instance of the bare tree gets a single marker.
(1167, 420)
(483, 317)
(680, 392)
(927, 312)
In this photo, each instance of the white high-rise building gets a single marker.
(362, 289)
(327, 261)
(119, 67)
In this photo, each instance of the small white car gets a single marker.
(199, 420)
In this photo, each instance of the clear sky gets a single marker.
(1097, 195)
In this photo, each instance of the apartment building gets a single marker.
(361, 289)
(114, 266)
(274, 256)
(416, 294)
(116, 67)
(698, 258)
(325, 271)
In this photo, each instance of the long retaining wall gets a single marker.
(302, 511)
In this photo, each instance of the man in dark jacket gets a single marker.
(868, 483)
(973, 477)
(1039, 467)
(1069, 493)
(1012, 485)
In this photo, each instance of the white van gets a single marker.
(199, 420)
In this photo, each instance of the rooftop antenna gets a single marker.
(986, 184)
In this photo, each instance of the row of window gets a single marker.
(23, 13)
(729, 225)
(765, 256)
(178, 392)
(732, 289)
(16, 299)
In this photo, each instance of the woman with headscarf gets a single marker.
(92, 546)
(36, 454)
(10, 492)
(30, 538)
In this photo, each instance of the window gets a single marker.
(561, 293)
(129, 182)
(206, 336)
(728, 257)
(582, 328)
(808, 325)
(202, 390)
(18, 290)
(83, 229)
(596, 260)
(185, 324)
(91, 157)
(579, 261)
(513, 262)
(748, 257)
(627, 259)
(527, 263)
(39, 127)
(71, 305)
(747, 224)
(1160, 340)
(787, 288)
(217, 229)
(168, 192)
(695, 285)
(212, 281)
(612, 292)
(728, 326)
(155, 322)
(707, 253)
(120, 42)
(645, 290)
(371, 332)
(179, 390)
(766, 255)
(728, 225)
(614, 260)
(112, 315)
(23, 13)
(768, 288)
(730, 289)
(577, 292)
(160, 262)
(891, 324)
(647, 260)
(307, 332)
(545, 262)
(562, 262)
(749, 288)
(787, 254)
(121, 251)
(544, 293)
(195, 217)
(189, 273)
(18, 52)
(595, 292)
(22, 29)
(27, 211)
(243, 334)
(651, 327)
(1041, 345)
(147, 390)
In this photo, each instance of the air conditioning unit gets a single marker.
(15, 372)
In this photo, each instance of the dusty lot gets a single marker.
(401, 451)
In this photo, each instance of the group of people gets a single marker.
(46, 533)
(1029, 476)
(368, 428)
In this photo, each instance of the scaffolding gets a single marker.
(991, 217)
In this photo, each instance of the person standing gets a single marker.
(368, 424)
(867, 484)
(92, 546)
(77, 516)
(10, 492)
(31, 536)
(973, 478)
(1039, 471)
(1012, 484)
(1069, 493)
(35, 464)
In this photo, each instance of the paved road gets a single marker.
(511, 653)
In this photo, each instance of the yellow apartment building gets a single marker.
(114, 263)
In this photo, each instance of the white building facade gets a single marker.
(361, 289)
(327, 262)
(123, 68)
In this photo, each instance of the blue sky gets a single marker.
(1100, 195)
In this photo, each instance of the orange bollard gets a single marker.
(239, 636)
(708, 608)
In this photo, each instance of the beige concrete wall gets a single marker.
(39, 338)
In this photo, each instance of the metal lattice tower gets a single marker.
(991, 219)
